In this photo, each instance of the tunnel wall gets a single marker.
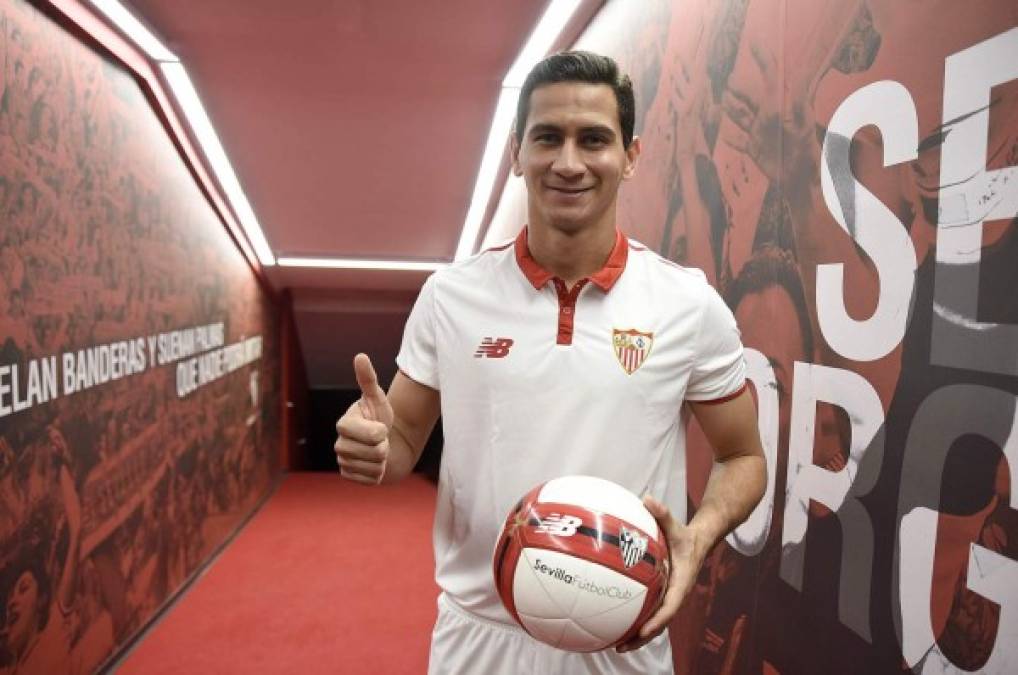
(139, 358)
(844, 173)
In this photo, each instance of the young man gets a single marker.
(568, 351)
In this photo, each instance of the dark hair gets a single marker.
(773, 266)
(578, 66)
(29, 559)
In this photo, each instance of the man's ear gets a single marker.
(514, 153)
(632, 155)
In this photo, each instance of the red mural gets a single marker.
(845, 174)
(138, 359)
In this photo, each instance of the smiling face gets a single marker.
(572, 157)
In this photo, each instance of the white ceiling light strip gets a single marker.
(541, 40)
(201, 125)
(134, 29)
(548, 29)
(501, 125)
(194, 112)
(358, 264)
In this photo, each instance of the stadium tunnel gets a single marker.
(209, 208)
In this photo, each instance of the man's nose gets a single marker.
(568, 163)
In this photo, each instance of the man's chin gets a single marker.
(570, 220)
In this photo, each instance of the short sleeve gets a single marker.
(719, 367)
(418, 354)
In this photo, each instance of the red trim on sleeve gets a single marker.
(725, 399)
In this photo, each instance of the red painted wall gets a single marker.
(139, 358)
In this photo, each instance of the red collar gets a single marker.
(604, 278)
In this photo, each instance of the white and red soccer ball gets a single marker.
(581, 563)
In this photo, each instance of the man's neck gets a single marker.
(571, 256)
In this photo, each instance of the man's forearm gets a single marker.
(416, 408)
(733, 490)
(401, 459)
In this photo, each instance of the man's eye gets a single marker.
(595, 141)
(545, 139)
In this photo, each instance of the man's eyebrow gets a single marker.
(600, 129)
(545, 127)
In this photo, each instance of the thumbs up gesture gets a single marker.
(363, 444)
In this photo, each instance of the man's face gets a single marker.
(571, 157)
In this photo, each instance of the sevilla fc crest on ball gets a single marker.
(632, 547)
(632, 348)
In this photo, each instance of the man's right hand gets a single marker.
(363, 444)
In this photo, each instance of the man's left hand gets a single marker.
(687, 551)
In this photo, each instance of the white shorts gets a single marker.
(463, 644)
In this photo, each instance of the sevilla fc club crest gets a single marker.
(632, 547)
(631, 348)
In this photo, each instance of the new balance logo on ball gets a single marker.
(494, 348)
(558, 525)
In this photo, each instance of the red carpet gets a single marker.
(329, 577)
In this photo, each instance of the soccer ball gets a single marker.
(581, 563)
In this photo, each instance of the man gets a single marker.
(568, 351)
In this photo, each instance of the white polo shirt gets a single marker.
(538, 381)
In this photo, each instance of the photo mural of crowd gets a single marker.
(886, 371)
(112, 496)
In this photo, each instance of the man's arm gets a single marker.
(415, 410)
(736, 484)
(739, 477)
(381, 436)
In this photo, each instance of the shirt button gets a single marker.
(567, 310)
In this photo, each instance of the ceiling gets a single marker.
(356, 128)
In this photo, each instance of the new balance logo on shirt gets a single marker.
(493, 348)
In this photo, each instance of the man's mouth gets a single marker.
(568, 190)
